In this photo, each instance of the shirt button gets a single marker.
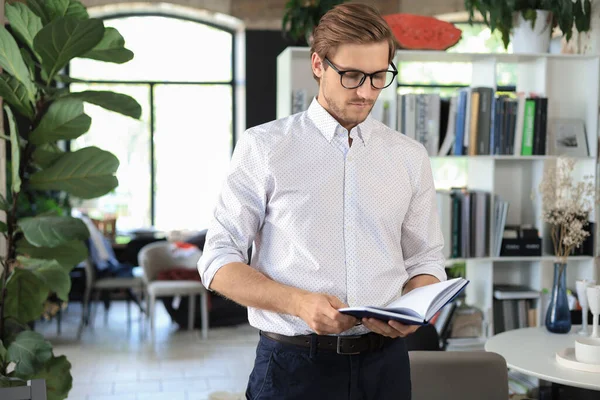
(349, 159)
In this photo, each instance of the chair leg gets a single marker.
(106, 306)
(58, 321)
(204, 314)
(191, 312)
(94, 308)
(151, 312)
(85, 314)
(128, 313)
(142, 300)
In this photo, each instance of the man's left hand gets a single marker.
(391, 329)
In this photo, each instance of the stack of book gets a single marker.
(464, 216)
(476, 121)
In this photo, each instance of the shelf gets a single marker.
(447, 57)
(570, 82)
(451, 261)
(509, 158)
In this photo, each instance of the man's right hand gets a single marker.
(320, 312)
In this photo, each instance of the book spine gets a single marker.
(528, 126)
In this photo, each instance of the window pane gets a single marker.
(129, 140)
(478, 38)
(193, 136)
(449, 172)
(165, 49)
(506, 74)
(434, 73)
(475, 38)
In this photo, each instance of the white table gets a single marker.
(532, 351)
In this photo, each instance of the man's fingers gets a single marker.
(405, 330)
(391, 328)
(380, 327)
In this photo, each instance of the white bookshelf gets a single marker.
(571, 84)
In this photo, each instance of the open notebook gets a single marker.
(416, 307)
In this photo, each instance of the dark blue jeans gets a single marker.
(284, 372)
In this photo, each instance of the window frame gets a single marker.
(152, 83)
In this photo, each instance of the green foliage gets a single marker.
(498, 14)
(301, 17)
(44, 244)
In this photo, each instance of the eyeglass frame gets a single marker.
(364, 78)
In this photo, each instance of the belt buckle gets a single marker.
(339, 345)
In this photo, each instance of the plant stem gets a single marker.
(11, 223)
(555, 239)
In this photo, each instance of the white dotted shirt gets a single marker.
(355, 221)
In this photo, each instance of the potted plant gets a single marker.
(566, 206)
(301, 16)
(532, 21)
(41, 112)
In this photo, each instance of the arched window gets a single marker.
(174, 159)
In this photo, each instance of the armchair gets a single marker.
(159, 256)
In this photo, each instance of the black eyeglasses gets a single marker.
(351, 79)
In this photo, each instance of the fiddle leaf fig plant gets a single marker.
(41, 113)
(499, 14)
(301, 17)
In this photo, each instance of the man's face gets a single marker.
(350, 107)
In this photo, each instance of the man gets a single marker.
(341, 211)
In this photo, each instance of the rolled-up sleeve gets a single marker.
(240, 209)
(422, 239)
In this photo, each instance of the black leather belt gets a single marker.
(341, 344)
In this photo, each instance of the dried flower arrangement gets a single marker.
(566, 205)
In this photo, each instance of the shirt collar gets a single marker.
(328, 126)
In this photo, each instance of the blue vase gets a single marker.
(558, 316)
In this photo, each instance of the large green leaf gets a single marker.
(24, 22)
(52, 231)
(112, 101)
(15, 94)
(86, 173)
(54, 276)
(52, 9)
(12, 327)
(2, 352)
(12, 62)
(65, 119)
(29, 62)
(67, 255)
(45, 154)
(67, 79)
(57, 374)
(25, 296)
(64, 39)
(39, 8)
(30, 351)
(15, 152)
(77, 10)
(56, 8)
(4, 206)
(9, 381)
(111, 48)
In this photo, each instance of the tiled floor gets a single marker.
(112, 362)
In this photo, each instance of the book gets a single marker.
(417, 307)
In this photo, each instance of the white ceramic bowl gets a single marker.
(587, 350)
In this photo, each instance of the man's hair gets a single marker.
(351, 23)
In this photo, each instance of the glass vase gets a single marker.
(558, 316)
